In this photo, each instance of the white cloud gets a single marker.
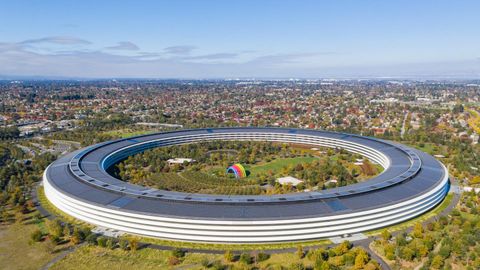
(179, 50)
(24, 58)
(213, 56)
(61, 40)
(124, 46)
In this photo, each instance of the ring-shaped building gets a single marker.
(411, 184)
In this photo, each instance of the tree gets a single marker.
(408, 253)
(437, 262)
(343, 248)
(361, 259)
(386, 235)
(445, 251)
(418, 230)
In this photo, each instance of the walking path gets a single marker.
(60, 256)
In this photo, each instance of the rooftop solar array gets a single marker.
(408, 173)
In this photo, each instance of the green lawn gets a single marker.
(277, 164)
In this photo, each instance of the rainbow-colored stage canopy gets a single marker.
(238, 170)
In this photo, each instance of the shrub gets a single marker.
(54, 227)
(54, 239)
(172, 260)
(102, 241)
(37, 217)
(123, 244)
(245, 258)
(92, 239)
(77, 236)
(36, 235)
(85, 231)
(110, 243)
(262, 257)
(178, 253)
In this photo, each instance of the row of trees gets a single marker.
(17, 176)
(59, 232)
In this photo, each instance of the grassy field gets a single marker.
(90, 257)
(18, 252)
(278, 164)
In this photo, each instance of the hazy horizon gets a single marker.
(268, 39)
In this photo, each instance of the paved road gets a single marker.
(365, 244)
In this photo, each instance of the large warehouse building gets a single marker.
(412, 183)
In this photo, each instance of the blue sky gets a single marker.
(230, 39)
